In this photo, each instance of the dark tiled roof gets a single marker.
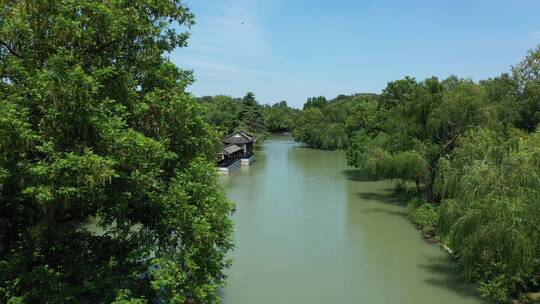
(230, 149)
(239, 137)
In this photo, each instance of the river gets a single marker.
(309, 229)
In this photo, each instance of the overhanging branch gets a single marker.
(10, 49)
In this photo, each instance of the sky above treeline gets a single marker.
(293, 49)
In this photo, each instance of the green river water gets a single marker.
(309, 229)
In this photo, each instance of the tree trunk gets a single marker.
(430, 195)
(418, 191)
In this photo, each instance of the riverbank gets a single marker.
(425, 217)
(309, 229)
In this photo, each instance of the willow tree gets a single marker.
(95, 126)
(490, 214)
(422, 122)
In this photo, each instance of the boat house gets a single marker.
(237, 151)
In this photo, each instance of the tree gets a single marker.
(320, 128)
(308, 127)
(222, 112)
(489, 215)
(228, 114)
(424, 121)
(95, 126)
(503, 96)
(317, 102)
(527, 76)
(279, 117)
(366, 113)
(250, 116)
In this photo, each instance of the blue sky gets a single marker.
(294, 49)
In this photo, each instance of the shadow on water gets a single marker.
(300, 145)
(445, 275)
(387, 196)
(359, 176)
(441, 270)
(385, 211)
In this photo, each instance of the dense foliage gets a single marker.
(424, 215)
(328, 124)
(490, 213)
(95, 126)
(250, 115)
(422, 122)
(471, 150)
(229, 114)
(223, 112)
(279, 117)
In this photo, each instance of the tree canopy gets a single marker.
(229, 114)
(423, 122)
(279, 117)
(250, 116)
(222, 112)
(327, 124)
(95, 127)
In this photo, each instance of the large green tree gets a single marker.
(250, 115)
(325, 124)
(315, 102)
(423, 123)
(222, 112)
(279, 117)
(95, 126)
(490, 212)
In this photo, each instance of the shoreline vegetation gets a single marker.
(470, 149)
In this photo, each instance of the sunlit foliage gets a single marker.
(95, 128)
(328, 124)
(420, 124)
(229, 114)
(490, 215)
(279, 117)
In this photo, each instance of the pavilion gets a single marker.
(242, 139)
(237, 151)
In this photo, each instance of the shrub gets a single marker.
(424, 215)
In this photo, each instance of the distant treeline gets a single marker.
(329, 124)
(472, 150)
(229, 114)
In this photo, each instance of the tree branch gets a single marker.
(10, 49)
